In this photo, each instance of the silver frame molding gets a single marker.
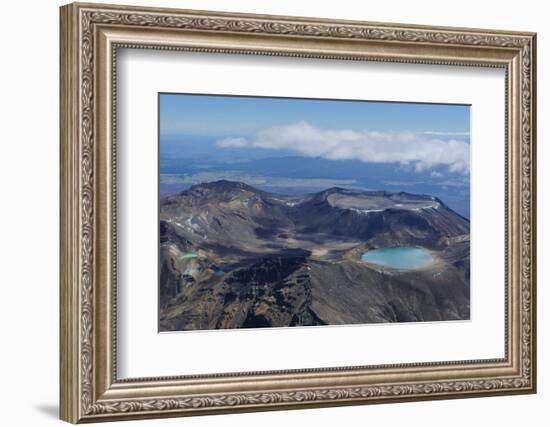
(90, 37)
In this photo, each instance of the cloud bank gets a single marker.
(233, 142)
(421, 150)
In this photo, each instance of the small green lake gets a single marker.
(403, 257)
(188, 255)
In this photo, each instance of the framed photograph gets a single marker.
(267, 212)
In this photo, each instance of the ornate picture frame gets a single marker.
(90, 37)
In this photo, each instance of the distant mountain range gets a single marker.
(233, 256)
(203, 161)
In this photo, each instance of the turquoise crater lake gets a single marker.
(402, 257)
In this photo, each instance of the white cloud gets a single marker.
(406, 147)
(233, 142)
(440, 133)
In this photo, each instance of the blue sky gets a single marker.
(201, 115)
(423, 136)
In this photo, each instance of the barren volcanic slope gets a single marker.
(233, 256)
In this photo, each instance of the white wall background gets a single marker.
(29, 170)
